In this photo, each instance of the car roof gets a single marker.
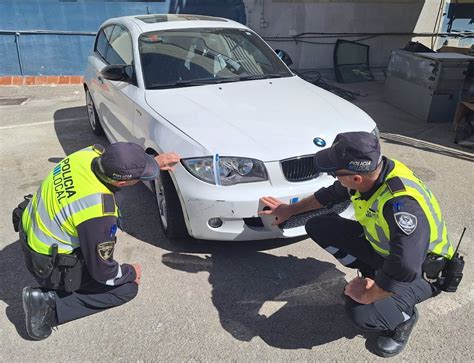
(156, 22)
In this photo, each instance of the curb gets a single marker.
(39, 80)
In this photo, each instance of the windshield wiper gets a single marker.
(194, 82)
(216, 80)
(260, 76)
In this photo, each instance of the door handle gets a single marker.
(101, 80)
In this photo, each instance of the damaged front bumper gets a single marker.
(230, 213)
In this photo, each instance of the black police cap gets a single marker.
(123, 161)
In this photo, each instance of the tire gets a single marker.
(94, 121)
(169, 207)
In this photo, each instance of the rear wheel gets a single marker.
(169, 207)
(93, 117)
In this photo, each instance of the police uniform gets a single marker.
(398, 221)
(68, 233)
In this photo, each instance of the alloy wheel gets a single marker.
(161, 200)
(91, 111)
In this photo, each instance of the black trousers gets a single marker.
(92, 296)
(345, 240)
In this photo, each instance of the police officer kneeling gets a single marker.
(68, 229)
(398, 224)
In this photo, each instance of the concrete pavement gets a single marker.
(219, 301)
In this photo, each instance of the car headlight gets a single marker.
(226, 170)
(376, 132)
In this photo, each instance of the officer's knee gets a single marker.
(360, 316)
(126, 293)
(316, 231)
(358, 320)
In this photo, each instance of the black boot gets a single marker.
(390, 343)
(40, 312)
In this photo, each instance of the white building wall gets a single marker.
(283, 18)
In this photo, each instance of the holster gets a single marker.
(72, 268)
(55, 271)
(433, 265)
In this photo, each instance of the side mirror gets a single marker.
(284, 56)
(118, 72)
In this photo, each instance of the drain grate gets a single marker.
(12, 101)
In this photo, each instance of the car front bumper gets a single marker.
(238, 205)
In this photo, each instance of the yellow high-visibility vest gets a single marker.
(70, 195)
(401, 181)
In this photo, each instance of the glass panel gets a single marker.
(102, 42)
(120, 51)
(206, 54)
(150, 19)
(351, 62)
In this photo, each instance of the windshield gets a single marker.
(190, 57)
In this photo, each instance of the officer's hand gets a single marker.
(138, 272)
(280, 210)
(357, 288)
(166, 161)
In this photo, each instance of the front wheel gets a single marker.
(169, 207)
(94, 121)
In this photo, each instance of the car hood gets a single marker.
(269, 120)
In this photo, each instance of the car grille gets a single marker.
(299, 169)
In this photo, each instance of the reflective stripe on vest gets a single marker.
(385, 242)
(375, 226)
(441, 228)
(50, 225)
(70, 195)
(46, 239)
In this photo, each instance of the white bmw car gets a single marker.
(213, 91)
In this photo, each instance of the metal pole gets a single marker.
(17, 42)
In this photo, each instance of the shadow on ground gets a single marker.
(288, 302)
(73, 131)
(14, 276)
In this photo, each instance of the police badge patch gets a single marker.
(106, 249)
(406, 222)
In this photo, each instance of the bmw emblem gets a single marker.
(319, 142)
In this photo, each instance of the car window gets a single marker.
(120, 50)
(174, 57)
(102, 41)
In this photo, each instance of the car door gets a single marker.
(119, 96)
(96, 62)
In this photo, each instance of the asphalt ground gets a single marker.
(276, 300)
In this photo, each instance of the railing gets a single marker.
(311, 38)
(18, 35)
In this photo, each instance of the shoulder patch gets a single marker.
(407, 222)
(98, 148)
(108, 204)
(395, 185)
(106, 249)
